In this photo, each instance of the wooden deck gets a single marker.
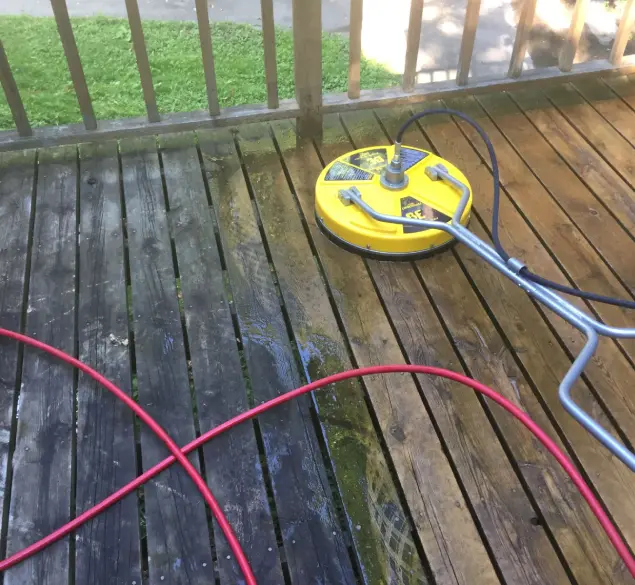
(189, 270)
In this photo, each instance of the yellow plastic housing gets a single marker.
(422, 198)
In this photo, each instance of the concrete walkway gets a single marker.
(385, 27)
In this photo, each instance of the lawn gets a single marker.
(35, 53)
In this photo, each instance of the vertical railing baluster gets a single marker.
(467, 40)
(355, 49)
(570, 46)
(141, 53)
(63, 21)
(307, 51)
(205, 37)
(13, 96)
(412, 45)
(623, 33)
(269, 46)
(523, 30)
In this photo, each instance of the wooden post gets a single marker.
(307, 50)
(13, 96)
(139, 44)
(523, 30)
(623, 33)
(355, 50)
(60, 11)
(570, 47)
(205, 38)
(467, 40)
(269, 46)
(412, 45)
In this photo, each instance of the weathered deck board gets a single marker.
(576, 261)
(610, 189)
(575, 257)
(231, 461)
(313, 543)
(366, 486)
(17, 176)
(530, 557)
(609, 105)
(42, 460)
(485, 354)
(236, 297)
(576, 199)
(610, 373)
(543, 363)
(109, 548)
(442, 520)
(179, 549)
(613, 147)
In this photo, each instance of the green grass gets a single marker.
(35, 53)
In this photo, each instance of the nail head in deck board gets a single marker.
(587, 164)
(41, 489)
(609, 105)
(451, 543)
(604, 471)
(369, 495)
(495, 491)
(231, 460)
(17, 176)
(610, 239)
(107, 548)
(178, 537)
(308, 521)
(579, 261)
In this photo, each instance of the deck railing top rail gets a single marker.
(309, 103)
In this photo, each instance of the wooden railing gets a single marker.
(309, 104)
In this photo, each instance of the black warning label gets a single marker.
(414, 209)
(343, 172)
(410, 157)
(370, 160)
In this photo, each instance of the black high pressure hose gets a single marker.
(495, 213)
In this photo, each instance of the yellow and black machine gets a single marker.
(403, 203)
(413, 194)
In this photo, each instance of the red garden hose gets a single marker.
(180, 454)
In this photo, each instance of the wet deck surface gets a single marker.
(190, 271)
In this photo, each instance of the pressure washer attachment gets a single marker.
(407, 187)
(419, 203)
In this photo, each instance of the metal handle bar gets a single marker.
(512, 268)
